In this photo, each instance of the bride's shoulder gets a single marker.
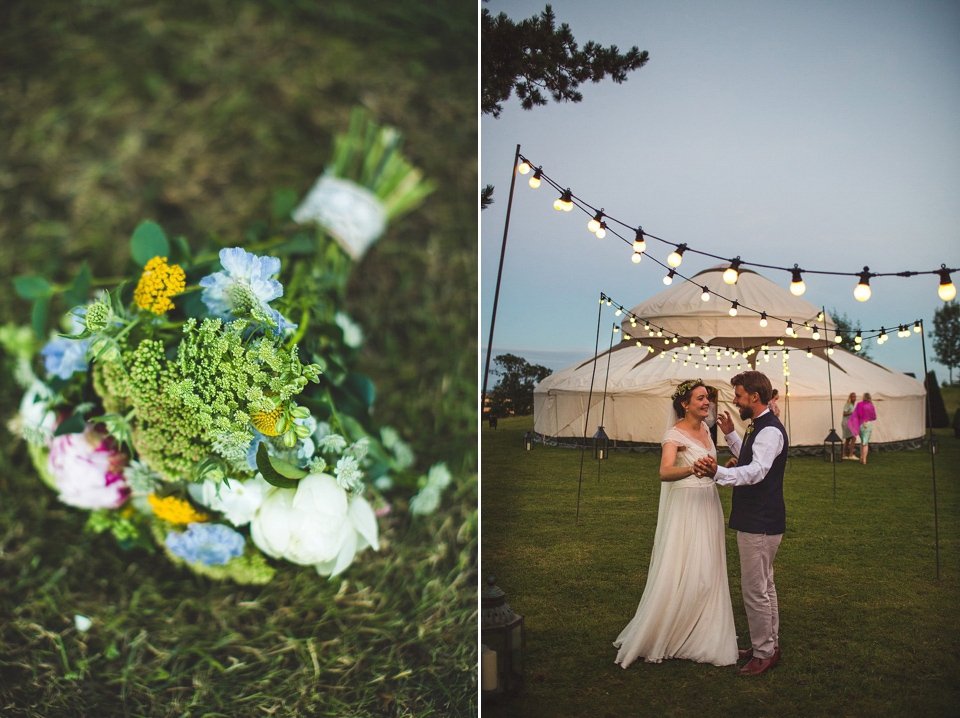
(674, 436)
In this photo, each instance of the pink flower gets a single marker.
(87, 470)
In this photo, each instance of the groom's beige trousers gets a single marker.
(757, 552)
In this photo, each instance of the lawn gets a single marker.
(866, 627)
(192, 115)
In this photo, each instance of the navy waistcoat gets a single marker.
(759, 509)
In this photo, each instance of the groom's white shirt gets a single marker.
(766, 447)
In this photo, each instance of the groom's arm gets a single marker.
(766, 447)
(734, 443)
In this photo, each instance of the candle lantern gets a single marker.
(934, 443)
(830, 454)
(601, 444)
(528, 441)
(503, 642)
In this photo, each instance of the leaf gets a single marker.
(148, 241)
(74, 425)
(270, 474)
(361, 387)
(38, 317)
(80, 289)
(32, 287)
(284, 200)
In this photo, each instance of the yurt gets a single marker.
(676, 336)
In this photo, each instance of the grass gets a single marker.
(192, 114)
(866, 628)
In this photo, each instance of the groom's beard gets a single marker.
(745, 412)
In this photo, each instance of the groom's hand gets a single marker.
(706, 466)
(725, 422)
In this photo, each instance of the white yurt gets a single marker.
(628, 388)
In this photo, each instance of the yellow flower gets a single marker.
(157, 284)
(174, 510)
(266, 421)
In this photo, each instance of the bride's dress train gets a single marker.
(685, 611)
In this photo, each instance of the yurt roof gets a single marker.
(681, 310)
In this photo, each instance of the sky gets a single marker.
(819, 133)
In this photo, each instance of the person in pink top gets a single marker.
(861, 422)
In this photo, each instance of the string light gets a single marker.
(668, 280)
(619, 311)
(639, 243)
(790, 330)
(564, 202)
(797, 287)
(676, 256)
(820, 317)
(602, 230)
(731, 275)
(837, 338)
(916, 327)
(524, 167)
(946, 291)
(594, 224)
(637, 256)
(862, 292)
(816, 334)
(705, 295)
(733, 309)
(535, 180)
(763, 319)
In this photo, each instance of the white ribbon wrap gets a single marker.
(350, 213)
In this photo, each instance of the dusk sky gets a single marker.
(823, 134)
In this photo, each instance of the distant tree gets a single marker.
(848, 331)
(938, 417)
(486, 196)
(535, 59)
(515, 388)
(946, 336)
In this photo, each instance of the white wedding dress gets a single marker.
(685, 611)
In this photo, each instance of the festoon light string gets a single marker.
(600, 224)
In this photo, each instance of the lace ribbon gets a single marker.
(352, 214)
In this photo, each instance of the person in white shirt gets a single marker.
(758, 513)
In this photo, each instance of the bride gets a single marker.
(685, 610)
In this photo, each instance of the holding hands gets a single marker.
(707, 466)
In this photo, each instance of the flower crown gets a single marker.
(685, 387)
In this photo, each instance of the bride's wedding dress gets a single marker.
(685, 610)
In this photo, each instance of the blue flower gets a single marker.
(62, 357)
(210, 544)
(246, 284)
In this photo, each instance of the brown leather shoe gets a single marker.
(745, 655)
(756, 666)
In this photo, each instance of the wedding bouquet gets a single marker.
(209, 405)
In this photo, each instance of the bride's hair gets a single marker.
(683, 394)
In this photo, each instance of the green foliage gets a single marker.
(861, 608)
(533, 57)
(514, 391)
(946, 335)
(148, 241)
(937, 416)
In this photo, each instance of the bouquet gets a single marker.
(208, 405)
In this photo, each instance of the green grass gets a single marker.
(866, 628)
(192, 114)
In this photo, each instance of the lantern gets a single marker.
(830, 455)
(601, 444)
(503, 642)
(528, 441)
(934, 444)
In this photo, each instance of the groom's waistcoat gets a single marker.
(759, 509)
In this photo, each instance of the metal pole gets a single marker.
(496, 295)
(603, 406)
(586, 420)
(933, 463)
(833, 427)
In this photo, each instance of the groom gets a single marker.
(757, 511)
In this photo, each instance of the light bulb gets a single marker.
(676, 256)
(857, 339)
(535, 180)
(639, 243)
(637, 257)
(763, 319)
(602, 230)
(809, 353)
(668, 280)
(797, 287)
(730, 274)
(862, 292)
(838, 339)
(705, 295)
(619, 311)
(947, 290)
(594, 224)
(733, 309)
(524, 167)
(816, 334)
(916, 327)
(558, 204)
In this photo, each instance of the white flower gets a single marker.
(352, 332)
(37, 420)
(426, 502)
(348, 473)
(439, 476)
(87, 470)
(238, 501)
(333, 442)
(316, 523)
